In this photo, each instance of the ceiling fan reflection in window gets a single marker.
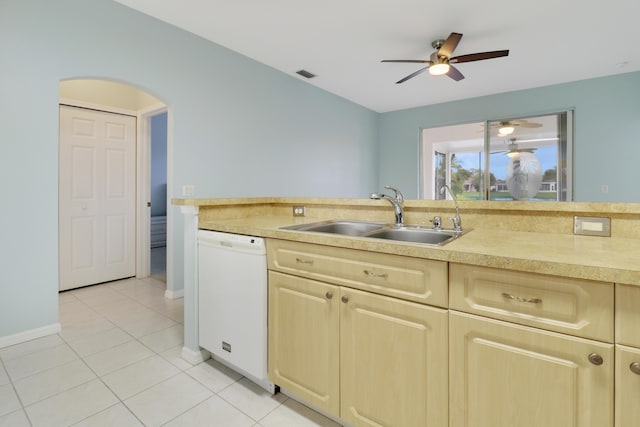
(440, 61)
(507, 127)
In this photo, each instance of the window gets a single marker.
(508, 159)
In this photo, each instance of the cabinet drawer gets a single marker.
(576, 307)
(628, 315)
(413, 279)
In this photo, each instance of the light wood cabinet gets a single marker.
(304, 339)
(394, 360)
(627, 386)
(627, 355)
(504, 374)
(368, 359)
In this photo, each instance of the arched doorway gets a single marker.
(117, 99)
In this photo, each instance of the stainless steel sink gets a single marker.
(416, 235)
(348, 228)
(376, 230)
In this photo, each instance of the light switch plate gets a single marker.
(592, 226)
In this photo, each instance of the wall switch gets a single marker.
(188, 190)
(298, 211)
(592, 226)
(604, 188)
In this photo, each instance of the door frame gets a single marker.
(143, 184)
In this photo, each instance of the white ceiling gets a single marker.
(343, 41)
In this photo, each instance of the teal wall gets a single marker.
(606, 133)
(239, 129)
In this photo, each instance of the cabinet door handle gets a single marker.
(345, 298)
(372, 274)
(596, 359)
(522, 299)
(329, 295)
(635, 368)
(304, 261)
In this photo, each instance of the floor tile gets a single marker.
(214, 375)
(4, 378)
(105, 298)
(164, 339)
(115, 416)
(86, 329)
(295, 414)
(41, 361)
(100, 341)
(8, 400)
(117, 357)
(167, 400)
(53, 381)
(15, 419)
(66, 297)
(251, 399)
(29, 347)
(153, 323)
(174, 356)
(213, 412)
(73, 313)
(72, 405)
(139, 376)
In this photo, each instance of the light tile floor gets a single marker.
(117, 362)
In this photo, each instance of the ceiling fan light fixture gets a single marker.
(439, 69)
(506, 130)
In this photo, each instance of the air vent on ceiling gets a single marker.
(305, 73)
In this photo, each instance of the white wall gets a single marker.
(239, 129)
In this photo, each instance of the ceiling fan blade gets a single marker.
(449, 45)
(413, 61)
(479, 56)
(526, 124)
(454, 73)
(412, 75)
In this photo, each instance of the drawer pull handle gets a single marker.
(345, 298)
(329, 295)
(596, 359)
(522, 299)
(304, 261)
(372, 274)
(635, 368)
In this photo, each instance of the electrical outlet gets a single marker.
(604, 188)
(298, 211)
(188, 190)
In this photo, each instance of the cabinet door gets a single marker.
(627, 386)
(304, 339)
(509, 375)
(393, 362)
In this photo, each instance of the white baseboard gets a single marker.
(174, 294)
(29, 335)
(194, 357)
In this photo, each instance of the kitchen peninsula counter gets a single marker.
(493, 241)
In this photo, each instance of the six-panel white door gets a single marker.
(96, 196)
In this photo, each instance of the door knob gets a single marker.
(635, 368)
(345, 298)
(329, 295)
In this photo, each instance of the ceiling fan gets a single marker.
(507, 127)
(441, 60)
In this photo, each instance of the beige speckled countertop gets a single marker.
(609, 259)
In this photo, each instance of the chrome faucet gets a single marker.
(397, 201)
(457, 221)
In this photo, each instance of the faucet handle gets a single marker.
(398, 194)
(437, 222)
(457, 226)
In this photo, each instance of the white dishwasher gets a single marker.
(232, 302)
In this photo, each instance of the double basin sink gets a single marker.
(375, 230)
